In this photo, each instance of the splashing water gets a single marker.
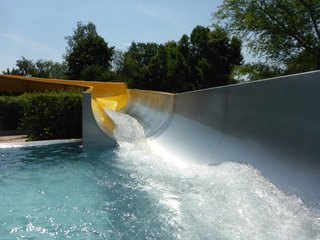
(226, 201)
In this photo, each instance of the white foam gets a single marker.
(225, 201)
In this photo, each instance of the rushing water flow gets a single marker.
(226, 201)
(64, 192)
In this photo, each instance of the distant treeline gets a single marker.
(203, 59)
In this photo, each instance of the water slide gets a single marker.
(273, 125)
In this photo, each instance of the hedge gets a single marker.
(48, 115)
(10, 112)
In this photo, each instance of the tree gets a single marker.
(213, 55)
(118, 61)
(58, 70)
(280, 29)
(40, 68)
(26, 67)
(98, 73)
(86, 48)
(255, 71)
(205, 59)
(135, 64)
(49, 69)
(300, 63)
(92, 72)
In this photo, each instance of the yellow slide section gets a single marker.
(103, 94)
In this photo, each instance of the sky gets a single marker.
(36, 29)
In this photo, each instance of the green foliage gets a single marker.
(300, 63)
(282, 30)
(255, 71)
(92, 73)
(40, 68)
(205, 59)
(50, 69)
(10, 112)
(98, 73)
(88, 54)
(52, 115)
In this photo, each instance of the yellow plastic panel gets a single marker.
(111, 95)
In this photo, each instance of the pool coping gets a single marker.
(21, 142)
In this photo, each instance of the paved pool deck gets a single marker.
(13, 139)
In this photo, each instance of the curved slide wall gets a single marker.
(273, 125)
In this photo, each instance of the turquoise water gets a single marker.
(65, 192)
(61, 192)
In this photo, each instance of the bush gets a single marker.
(10, 112)
(51, 115)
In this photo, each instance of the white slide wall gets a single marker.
(273, 125)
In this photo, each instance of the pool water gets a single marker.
(66, 192)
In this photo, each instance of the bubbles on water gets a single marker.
(225, 201)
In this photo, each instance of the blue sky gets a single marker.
(36, 29)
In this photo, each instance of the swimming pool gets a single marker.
(64, 191)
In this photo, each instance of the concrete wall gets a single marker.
(274, 125)
(94, 132)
